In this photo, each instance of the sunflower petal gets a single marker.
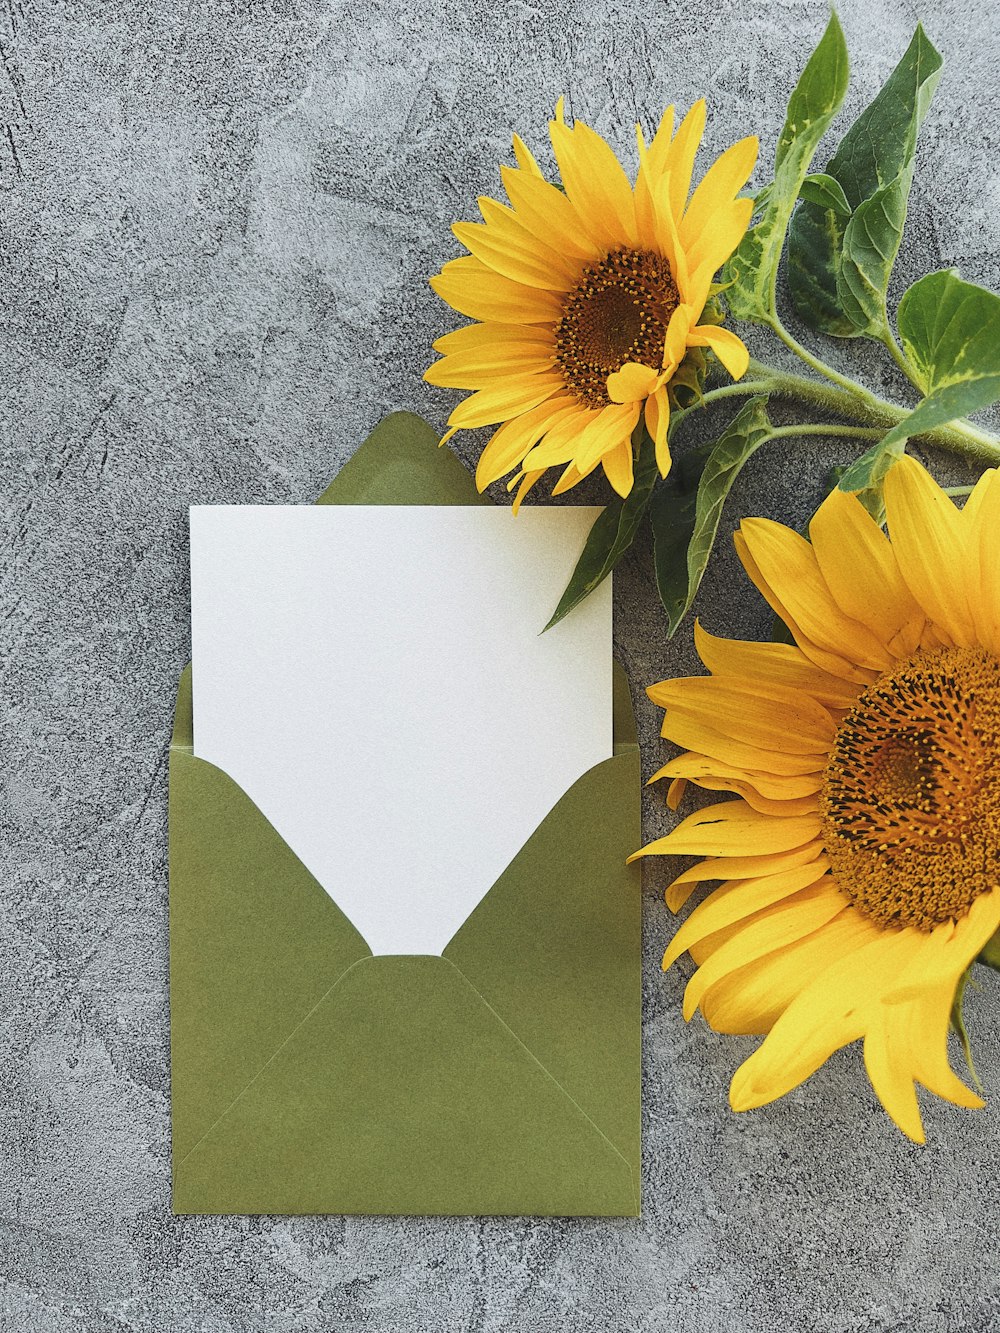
(509, 445)
(730, 350)
(570, 478)
(787, 563)
(502, 249)
(720, 236)
(678, 336)
(478, 368)
(830, 1011)
(775, 718)
(750, 999)
(595, 182)
(950, 948)
(525, 158)
(509, 231)
(657, 416)
(693, 732)
(504, 399)
(886, 1063)
(485, 337)
(679, 159)
(773, 928)
(667, 239)
(610, 429)
(860, 568)
(981, 519)
(631, 383)
(733, 829)
(527, 481)
(773, 664)
(736, 900)
(699, 768)
(474, 290)
(658, 152)
(546, 212)
(650, 170)
(931, 546)
(926, 1021)
(561, 442)
(717, 188)
(618, 467)
(737, 867)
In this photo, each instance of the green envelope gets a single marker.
(309, 1076)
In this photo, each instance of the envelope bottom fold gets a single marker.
(404, 1092)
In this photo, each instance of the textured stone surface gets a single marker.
(216, 222)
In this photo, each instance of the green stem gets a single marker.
(740, 388)
(817, 428)
(857, 404)
(821, 368)
(961, 437)
(899, 356)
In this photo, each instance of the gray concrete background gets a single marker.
(217, 223)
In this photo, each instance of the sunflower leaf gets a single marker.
(612, 534)
(950, 332)
(685, 511)
(990, 952)
(839, 261)
(825, 192)
(958, 1025)
(814, 103)
(866, 474)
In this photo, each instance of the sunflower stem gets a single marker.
(823, 428)
(821, 368)
(747, 387)
(857, 404)
(900, 357)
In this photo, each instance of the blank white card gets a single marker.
(374, 679)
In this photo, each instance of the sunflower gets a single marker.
(589, 298)
(860, 862)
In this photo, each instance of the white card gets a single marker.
(374, 679)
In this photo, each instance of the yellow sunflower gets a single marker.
(589, 298)
(861, 860)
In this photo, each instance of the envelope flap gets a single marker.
(554, 947)
(400, 463)
(233, 879)
(403, 1092)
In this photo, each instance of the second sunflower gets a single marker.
(588, 299)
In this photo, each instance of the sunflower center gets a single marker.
(617, 312)
(911, 793)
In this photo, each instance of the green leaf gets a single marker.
(612, 534)
(990, 952)
(950, 331)
(866, 475)
(686, 509)
(839, 261)
(686, 384)
(958, 1025)
(762, 198)
(813, 104)
(825, 192)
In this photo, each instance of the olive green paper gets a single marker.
(310, 1077)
